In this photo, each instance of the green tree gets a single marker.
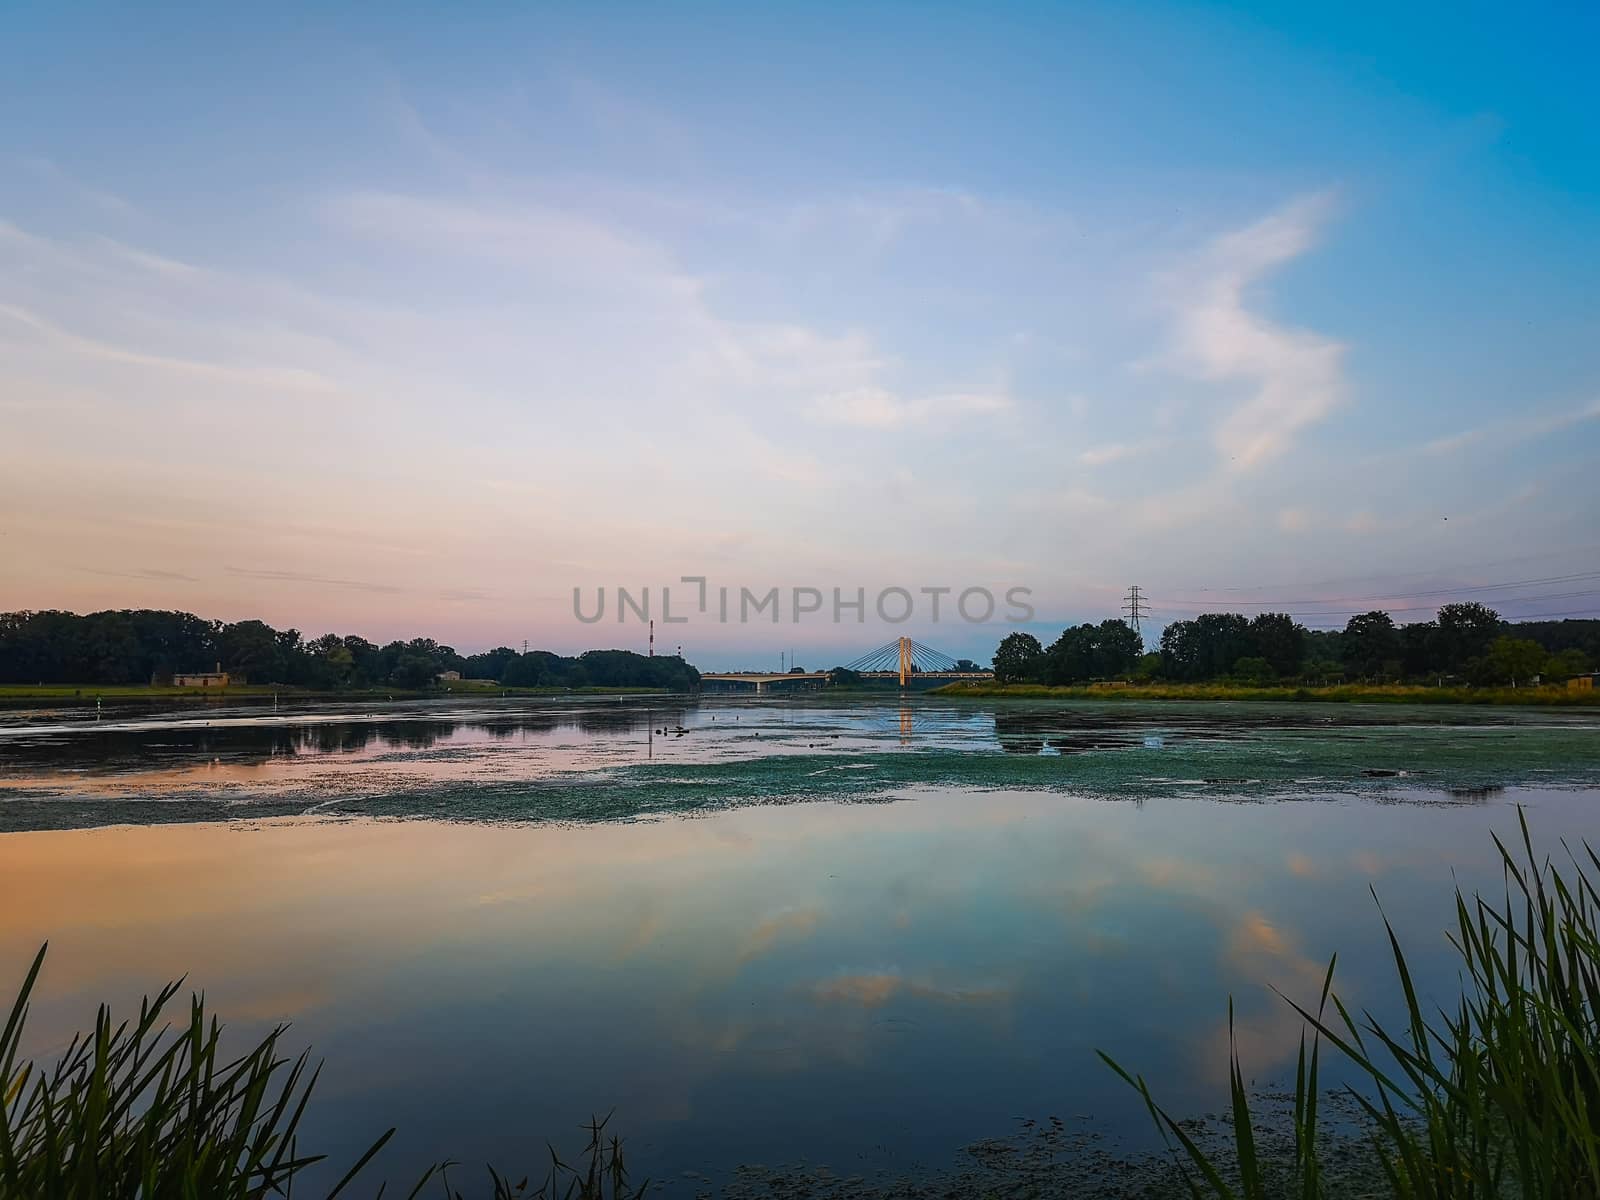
(1206, 647)
(1466, 632)
(250, 649)
(1254, 670)
(1370, 641)
(1018, 659)
(1070, 658)
(413, 671)
(1513, 660)
(491, 664)
(1276, 638)
(1323, 670)
(1117, 649)
(1564, 664)
(1419, 648)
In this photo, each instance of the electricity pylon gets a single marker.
(1133, 605)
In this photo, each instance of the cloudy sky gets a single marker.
(395, 323)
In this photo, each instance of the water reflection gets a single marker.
(847, 983)
(567, 759)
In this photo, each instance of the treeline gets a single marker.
(592, 668)
(137, 646)
(1466, 643)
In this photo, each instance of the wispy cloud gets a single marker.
(1293, 376)
(1515, 430)
(879, 408)
(1099, 456)
(265, 375)
(150, 573)
(320, 580)
(54, 174)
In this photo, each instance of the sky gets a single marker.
(413, 320)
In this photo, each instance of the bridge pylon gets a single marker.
(905, 661)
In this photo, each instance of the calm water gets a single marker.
(863, 935)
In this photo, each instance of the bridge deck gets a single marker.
(756, 677)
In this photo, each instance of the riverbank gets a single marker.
(88, 693)
(1348, 693)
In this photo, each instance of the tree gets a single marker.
(1516, 660)
(1085, 652)
(1206, 647)
(1276, 638)
(1180, 650)
(537, 668)
(491, 664)
(1564, 664)
(1370, 641)
(136, 645)
(843, 677)
(332, 662)
(250, 649)
(1466, 632)
(1070, 658)
(1254, 670)
(1018, 659)
(368, 669)
(1568, 634)
(1323, 670)
(968, 666)
(413, 671)
(1117, 649)
(1419, 648)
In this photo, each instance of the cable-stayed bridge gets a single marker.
(903, 661)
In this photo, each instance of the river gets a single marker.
(844, 938)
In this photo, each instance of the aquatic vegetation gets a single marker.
(135, 1109)
(138, 1109)
(1500, 1098)
(602, 767)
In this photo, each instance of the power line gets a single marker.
(1571, 551)
(1351, 612)
(1593, 612)
(1445, 591)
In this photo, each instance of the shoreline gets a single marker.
(87, 694)
(1348, 693)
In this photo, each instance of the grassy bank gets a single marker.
(1345, 693)
(88, 693)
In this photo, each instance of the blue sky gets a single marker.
(389, 321)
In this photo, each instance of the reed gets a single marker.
(1499, 1097)
(142, 1109)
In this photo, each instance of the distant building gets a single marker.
(202, 679)
(448, 676)
(1581, 683)
(205, 679)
